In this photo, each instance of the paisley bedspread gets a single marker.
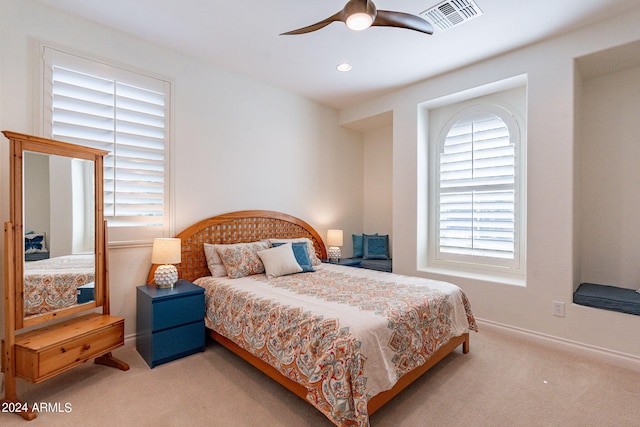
(52, 284)
(344, 333)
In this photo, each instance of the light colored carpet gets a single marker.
(501, 382)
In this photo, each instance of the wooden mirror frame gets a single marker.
(45, 351)
(19, 144)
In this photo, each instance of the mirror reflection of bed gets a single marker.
(59, 282)
(59, 267)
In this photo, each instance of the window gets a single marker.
(91, 103)
(477, 189)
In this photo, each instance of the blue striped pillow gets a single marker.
(300, 252)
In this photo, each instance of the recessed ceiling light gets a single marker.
(344, 67)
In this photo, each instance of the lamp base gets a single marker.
(334, 253)
(166, 276)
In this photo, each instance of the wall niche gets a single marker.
(608, 166)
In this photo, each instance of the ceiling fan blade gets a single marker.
(387, 18)
(339, 16)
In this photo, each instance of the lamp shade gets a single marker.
(334, 237)
(166, 251)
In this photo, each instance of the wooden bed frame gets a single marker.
(249, 226)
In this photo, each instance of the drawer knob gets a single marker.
(86, 347)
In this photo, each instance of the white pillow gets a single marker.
(279, 261)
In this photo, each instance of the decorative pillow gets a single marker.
(241, 259)
(279, 261)
(358, 244)
(376, 247)
(301, 253)
(311, 250)
(34, 243)
(213, 261)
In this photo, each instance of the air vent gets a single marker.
(450, 13)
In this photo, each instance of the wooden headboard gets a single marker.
(237, 227)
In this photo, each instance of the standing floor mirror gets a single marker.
(56, 265)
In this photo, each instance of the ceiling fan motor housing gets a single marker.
(359, 14)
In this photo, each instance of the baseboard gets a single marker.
(612, 357)
(130, 339)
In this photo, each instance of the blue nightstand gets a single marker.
(169, 322)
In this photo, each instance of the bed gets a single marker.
(344, 339)
(55, 283)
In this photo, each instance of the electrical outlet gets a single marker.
(558, 308)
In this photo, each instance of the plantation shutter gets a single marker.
(477, 189)
(126, 118)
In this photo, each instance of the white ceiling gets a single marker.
(243, 36)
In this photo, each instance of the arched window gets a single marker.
(478, 189)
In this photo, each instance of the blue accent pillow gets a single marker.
(300, 252)
(34, 243)
(358, 244)
(376, 247)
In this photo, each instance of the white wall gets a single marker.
(378, 181)
(37, 213)
(552, 214)
(238, 143)
(60, 206)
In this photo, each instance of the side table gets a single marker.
(169, 322)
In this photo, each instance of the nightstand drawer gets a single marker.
(175, 343)
(177, 311)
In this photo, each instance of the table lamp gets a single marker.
(166, 252)
(334, 240)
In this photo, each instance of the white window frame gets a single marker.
(511, 271)
(130, 232)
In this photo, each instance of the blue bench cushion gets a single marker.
(36, 256)
(377, 264)
(373, 264)
(608, 298)
(86, 293)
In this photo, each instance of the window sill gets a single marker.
(130, 244)
(494, 277)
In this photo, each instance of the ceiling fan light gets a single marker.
(359, 21)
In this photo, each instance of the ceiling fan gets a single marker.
(361, 14)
